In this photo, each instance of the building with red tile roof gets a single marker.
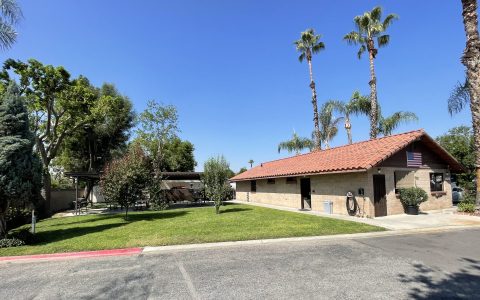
(364, 169)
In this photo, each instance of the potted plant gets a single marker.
(411, 199)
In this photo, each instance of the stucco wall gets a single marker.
(280, 193)
(62, 199)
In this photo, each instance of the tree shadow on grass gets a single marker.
(51, 236)
(132, 217)
(464, 284)
(236, 209)
(150, 216)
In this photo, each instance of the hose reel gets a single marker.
(352, 204)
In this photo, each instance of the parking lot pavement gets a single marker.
(421, 266)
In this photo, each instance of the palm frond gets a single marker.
(353, 38)
(301, 57)
(11, 11)
(389, 124)
(383, 40)
(318, 47)
(359, 104)
(389, 20)
(459, 98)
(376, 13)
(8, 35)
(362, 50)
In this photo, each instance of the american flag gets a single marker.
(414, 159)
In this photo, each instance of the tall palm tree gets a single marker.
(309, 44)
(251, 163)
(387, 125)
(470, 59)
(357, 105)
(296, 144)
(328, 124)
(371, 27)
(10, 15)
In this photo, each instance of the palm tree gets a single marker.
(371, 27)
(357, 105)
(328, 124)
(251, 163)
(10, 15)
(470, 59)
(309, 44)
(389, 124)
(296, 144)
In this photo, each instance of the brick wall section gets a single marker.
(334, 187)
(280, 193)
(422, 179)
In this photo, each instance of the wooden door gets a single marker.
(306, 198)
(379, 195)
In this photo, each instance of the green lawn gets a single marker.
(179, 226)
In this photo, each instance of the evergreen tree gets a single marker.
(20, 169)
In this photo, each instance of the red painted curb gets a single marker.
(111, 252)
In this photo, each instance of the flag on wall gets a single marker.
(414, 159)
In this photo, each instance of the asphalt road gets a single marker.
(423, 266)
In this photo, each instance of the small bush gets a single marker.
(412, 196)
(26, 236)
(11, 242)
(466, 207)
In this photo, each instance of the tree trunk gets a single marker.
(318, 143)
(373, 91)
(471, 60)
(348, 128)
(217, 209)
(47, 189)
(126, 212)
(3, 221)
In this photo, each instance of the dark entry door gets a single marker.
(305, 193)
(379, 195)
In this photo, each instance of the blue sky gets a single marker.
(232, 71)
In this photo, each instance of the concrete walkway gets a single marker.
(434, 219)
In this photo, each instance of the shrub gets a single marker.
(26, 236)
(124, 179)
(412, 196)
(215, 175)
(466, 207)
(158, 199)
(11, 242)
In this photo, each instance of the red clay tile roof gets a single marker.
(355, 157)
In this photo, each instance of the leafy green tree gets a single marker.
(216, 172)
(10, 15)
(104, 137)
(158, 125)
(179, 156)
(328, 124)
(309, 44)
(459, 142)
(20, 169)
(242, 169)
(57, 106)
(358, 105)
(369, 27)
(124, 180)
(470, 59)
(296, 144)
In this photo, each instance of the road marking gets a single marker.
(188, 281)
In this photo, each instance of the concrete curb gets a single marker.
(152, 249)
(69, 255)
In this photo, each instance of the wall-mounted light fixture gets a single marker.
(379, 170)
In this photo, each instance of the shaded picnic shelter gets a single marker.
(91, 178)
